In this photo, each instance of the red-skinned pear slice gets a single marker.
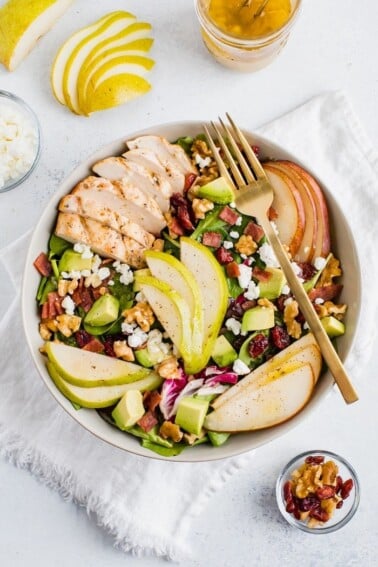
(79, 53)
(100, 396)
(303, 351)
(276, 401)
(323, 240)
(288, 206)
(306, 249)
(65, 52)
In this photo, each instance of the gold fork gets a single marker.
(253, 197)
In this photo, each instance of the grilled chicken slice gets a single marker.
(150, 161)
(102, 239)
(97, 206)
(152, 184)
(129, 202)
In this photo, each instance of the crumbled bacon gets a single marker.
(151, 400)
(183, 212)
(233, 270)
(83, 297)
(94, 345)
(261, 275)
(54, 304)
(211, 239)
(43, 265)
(45, 311)
(175, 227)
(228, 215)
(147, 421)
(189, 180)
(326, 293)
(223, 256)
(254, 230)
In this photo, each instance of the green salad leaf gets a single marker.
(211, 223)
(57, 246)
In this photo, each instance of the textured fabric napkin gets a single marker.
(149, 505)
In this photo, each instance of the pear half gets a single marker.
(22, 23)
(90, 369)
(102, 396)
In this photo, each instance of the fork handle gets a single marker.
(327, 349)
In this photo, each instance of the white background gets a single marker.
(334, 46)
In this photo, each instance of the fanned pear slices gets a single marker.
(86, 60)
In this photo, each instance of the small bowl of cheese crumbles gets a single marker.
(19, 141)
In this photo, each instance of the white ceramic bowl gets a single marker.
(342, 244)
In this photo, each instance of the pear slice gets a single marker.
(168, 269)
(90, 369)
(256, 408)
(102, 396)
(120, 79)
(117, 22)
(213, 289)
(22, 23)
(65, 52)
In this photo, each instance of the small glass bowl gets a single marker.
(19, 105)
(342, 515)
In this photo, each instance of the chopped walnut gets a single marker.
(171, 222)
(330, 308)
(67, 287)
(170, 430)
(201, 148)
(51, 324)
(122, 350)
(264, 302)
(44, 332)
(93, 280)
(332, 270)
(246, 245)
(158, 245)
(210, 171)
(68, 324)
(329, 474)
(290, 313)
(169, 368)
(142, 314)
(201, 207)
(191, 438)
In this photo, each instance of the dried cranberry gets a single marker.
(320, 515)
(178, 200)
(290, 507)
(346, 489)
(308, 503)
(340, 504)
(235, 310)
(82, 338)
(314, 460)
(281, 301)
(183, 216)
(339, 484)
(248, 304)
(238, 342)
(280, 337)
(325, 492)
(108, 346)
(258, 345)
(287, 490)
(223, 256)
(189, 180)
(307, 270)
(297, 514)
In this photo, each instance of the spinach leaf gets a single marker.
(57, 246)
(234, 288)
(171, 246)
(186, 143)
(50, 285)
(164, 451)
(71, 341)
(211, 222)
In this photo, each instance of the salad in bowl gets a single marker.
(163, 312)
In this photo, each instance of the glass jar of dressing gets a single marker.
(246, 35)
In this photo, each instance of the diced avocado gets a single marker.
(191, 414)
(217, 439)
(217, 191)
(137, 273)
(103, 311)
(145, 358)
(332, 326)
(223, 352)
(72, 261)
(129, 409)
(272, 288)
(258, 318)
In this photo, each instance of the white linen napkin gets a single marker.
(148, 505)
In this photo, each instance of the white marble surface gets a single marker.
(334, 46)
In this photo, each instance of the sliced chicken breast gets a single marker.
(151, 162)
(102, 239)
(97, 206)
(153, 185)
(129, 202)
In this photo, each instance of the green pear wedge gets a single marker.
(90, 369)
(116, 90)
(23, 23)
(102, 396)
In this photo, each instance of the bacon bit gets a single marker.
(45, 311)
(261, 275)
(189, 180)
(233, 270)
(254, 230)
(42, 264)
(228, 215)
(183, 216)
(151, 400)
(272, 214)
(99, 291)
(211, 239)
(94, 345)
(147, 421)
(175, 227)
(223, 256)
(86, 300)
(54, 305)
(327, 292)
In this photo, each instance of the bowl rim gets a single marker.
(136, 448)
(283, 476)
(23, 104)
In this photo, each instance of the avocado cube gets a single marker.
(191, 414)
(72, 261)
(129, 409)
(145, 358)
(217, 191)
(332, 326)
(272, 288)
(223, 352)
(103, 311)
(258, 318)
